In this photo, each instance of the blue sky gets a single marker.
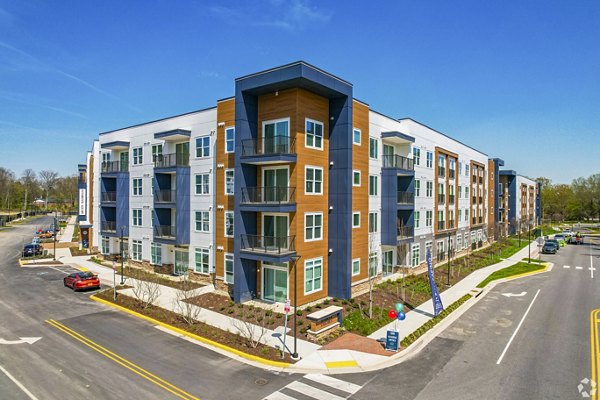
(519, 80)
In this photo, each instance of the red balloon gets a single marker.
(392, 314)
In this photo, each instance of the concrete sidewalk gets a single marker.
(312, 358)
(67, 233)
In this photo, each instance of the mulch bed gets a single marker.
(199, 328)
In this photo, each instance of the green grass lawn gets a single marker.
(533, 260)
(516, 269)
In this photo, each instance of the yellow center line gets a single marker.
(123, 362)
(594, 351)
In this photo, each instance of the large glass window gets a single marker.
(203, 146)
(356, 136)
(276, 137)
(313, 275)
(137, 217)
(202, 260)
(373, 222)
(373, 148)
(156, 253)
(137, 156)
(229, 268)
(229, 181)
(229, 140)
(105, 245)
(416, 156)
(314, 134)
(157, 151)
(136, 250)
(415, 255)
(137, 186)
(229, 223)
(202, 183)
(202, 221)
(314, 180)
(373, 185)
(313, 223)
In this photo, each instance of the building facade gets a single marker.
(290, 183)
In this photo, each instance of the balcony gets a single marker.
(108, 197)
(441, 172)
(406, 198)
(278, 145)
(114, 166)
(165, 196)
(474, 178)
(405, 232)
(171, 160)
(474, 220)
(441, 198)
(480, 200)
(474, 199)
(396, 161)
(164, 231)
(451, 199)
(268, 244)
(441, 225)
(451, 224)
(108, 226)
(451, 173)
(480, 220)
(268, 195)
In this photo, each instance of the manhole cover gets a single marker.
(261, 381)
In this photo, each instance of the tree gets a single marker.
(29, 181)
(48, 180)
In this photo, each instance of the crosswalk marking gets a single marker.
(566, 266)
(578, 267)
(334, 383)
(304, 389)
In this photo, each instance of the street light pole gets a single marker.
(55, 216)
(121, 248)
(295, 259)
(449, 257)
(529, 241)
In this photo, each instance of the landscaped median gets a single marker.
(522, 268)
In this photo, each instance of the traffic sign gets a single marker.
(286, 307)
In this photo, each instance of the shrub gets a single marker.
(299, 313)
(326, 302)
(268, 313)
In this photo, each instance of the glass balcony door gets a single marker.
(276, 137)
(275, 183)
(388, 262)
(275, 282)
(275, 231)
(182, 153)
(182, 261)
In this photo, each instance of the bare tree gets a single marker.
(146, 291)
(187, 291)
(48, 180)
(29, 180)
(372, 269)
(252, 328)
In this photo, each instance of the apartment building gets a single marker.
(292, 182)
(519, 197)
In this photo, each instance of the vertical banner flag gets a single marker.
(435, 295)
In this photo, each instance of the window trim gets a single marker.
(353, 214)
(313, 214)
(314, 121)
(141, 187)
(313, 193)
(155, 246)
(225, 181)
(359, 143)
(227, 128)
(374, 179)
(225, 223)
(202, 184)
(357, 272)
(201, 255)
(354, 174)
(225, 268)
(415, 246)
(376, 222)
(133, 218)
(202, 147)
(196, 221)
(376, 141)
(313, 276)
(134, 243)
(140, 156)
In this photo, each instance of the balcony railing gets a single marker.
(269, 146)
(108, 226)
(396, 161)
(405, 232)
(451, 173)
(165, 196)
(114, 166)
(474, 178)
(442, 172)
(164, 231)
(474, 199)
(480, 200)
(406, 197)
(474, 219)
(441, 198)
(109, 197)
(441, 225)
(268, 244)
(450, 224)
(480, 180)
(451, 199)
(481, 220)
(269, 195)
(171, 160)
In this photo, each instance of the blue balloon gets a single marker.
(401, 316)
(399, 307)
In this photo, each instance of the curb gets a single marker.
(208, 342)
(514, 277)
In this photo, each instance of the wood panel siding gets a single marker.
(449, 156)
(360, 194)
(491, 199)
(477, 192)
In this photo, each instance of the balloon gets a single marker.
(392, 314)
(399, 307)
(401, 316)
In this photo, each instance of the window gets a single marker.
(466, 214)
(313, 271)
(314, 180)
(415, 255)
(356, 136)
(458, 242)
(501, 188)
(229, 223)
(314, 134)
(417, 188)
(466, 192)
(229, 180)
(417, 219)
(428, 218)
(373, 185)
(137, 217)
(460, 167)
(440, 249)
(373, 264)
(441, 166)
(137, 156)
(202, 184)
(105, 158)
(203, 146)
(441, 188)
(355, 178)
(136, 250)
(105, 245)
(229, 140)
(137, 186)
(416, 156)
(373, 148)
(428, 247)
(429, 189)
(201, 260)
(157, 151)
(355, 266)
(202, 221)
(459, 215)
(473, 235)
(229, 268)
(460, 192)
(429, 159)
(373, 219)
(466, 240)
(466, 169)
(313, 226)
(356, 219)
(156, 253)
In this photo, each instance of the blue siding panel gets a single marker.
(122, 216)
(182, 214)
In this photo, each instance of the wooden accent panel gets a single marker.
(360, 194)
(225, 114)
(475, 192)
(491, 198)
(449, 156)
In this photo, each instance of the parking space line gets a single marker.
(19, 384)
(566, 266)
(578, 267)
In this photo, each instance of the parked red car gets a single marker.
(82, 280)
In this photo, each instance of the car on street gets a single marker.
(30, 250)
(82, 280)
(555, 242)
(576, 239)
(561, 239)
(549, 248)
(35, 240)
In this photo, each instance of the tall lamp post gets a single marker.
(529, 241)
(449, 258)
(121, 248)
(295, 259)
(55, 233)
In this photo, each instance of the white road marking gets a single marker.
(19, 384)
(313, 392)
(518, 327)
(514, 294)
(578, 267)
(279, 396)
(566, 266)
(334, 383)
(592, 259)
(30, 340)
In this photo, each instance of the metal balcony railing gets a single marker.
(164, 231)
(450, 224)
(406, 197)
(171, 160)
(481, 220)
(396, 161)
(451, 173)
(442, 172)
(268, 195)
(474, 199)
(451, 199)
(165, 196)
(114, 166)
(109, 197)
(480, 200)
(268, 244)
(441, 198)
(474, 178)
(108, 226)
(441, 225)
(474, 219)
(405, 232)
(269, 146)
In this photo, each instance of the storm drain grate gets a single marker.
(261, 381)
